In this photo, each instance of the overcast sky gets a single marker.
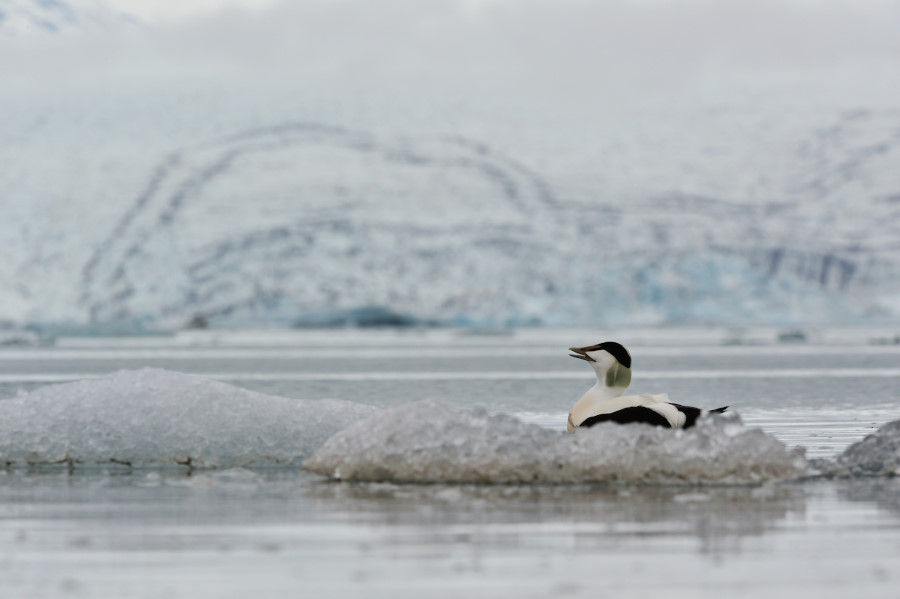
(805, 30)
(173, 10)
(568, 34)
(596, 46)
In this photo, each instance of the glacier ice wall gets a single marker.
(20, 18)
(170, 186)
(283, 222)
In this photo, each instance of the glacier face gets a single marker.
(153, 198)
(28, 17)
(316, 216)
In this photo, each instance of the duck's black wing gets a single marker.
(691, 414)
(638, 414)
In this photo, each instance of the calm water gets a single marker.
(235, 532)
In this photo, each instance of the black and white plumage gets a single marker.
(604, 401)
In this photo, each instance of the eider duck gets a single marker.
(604, 401)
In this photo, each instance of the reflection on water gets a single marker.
(598, 516)
(218, 534)
(884, 493)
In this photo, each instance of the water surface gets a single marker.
(236, 532)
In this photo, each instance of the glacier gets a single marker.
(22, 18)
(169, 190)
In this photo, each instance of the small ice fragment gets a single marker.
(877, 454)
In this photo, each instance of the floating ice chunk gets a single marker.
(429, 442)
(877, 454)
(158, 417)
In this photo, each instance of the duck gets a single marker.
(604, 401)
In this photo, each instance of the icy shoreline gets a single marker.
(154, 418)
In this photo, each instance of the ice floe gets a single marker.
(155, 417)
(876, 455)
(158, 418)
(430, 442)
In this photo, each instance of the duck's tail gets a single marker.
(718, 410)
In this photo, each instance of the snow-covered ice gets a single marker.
(876, 455)
(159, 418)
(430, 442)
(154, 417)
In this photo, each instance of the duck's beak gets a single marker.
(581, 354)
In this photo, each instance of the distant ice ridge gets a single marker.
(313, 223)
(429, 442)
(156, 418)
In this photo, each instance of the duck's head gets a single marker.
(610, 360)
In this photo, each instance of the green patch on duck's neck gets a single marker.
(618, 376)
